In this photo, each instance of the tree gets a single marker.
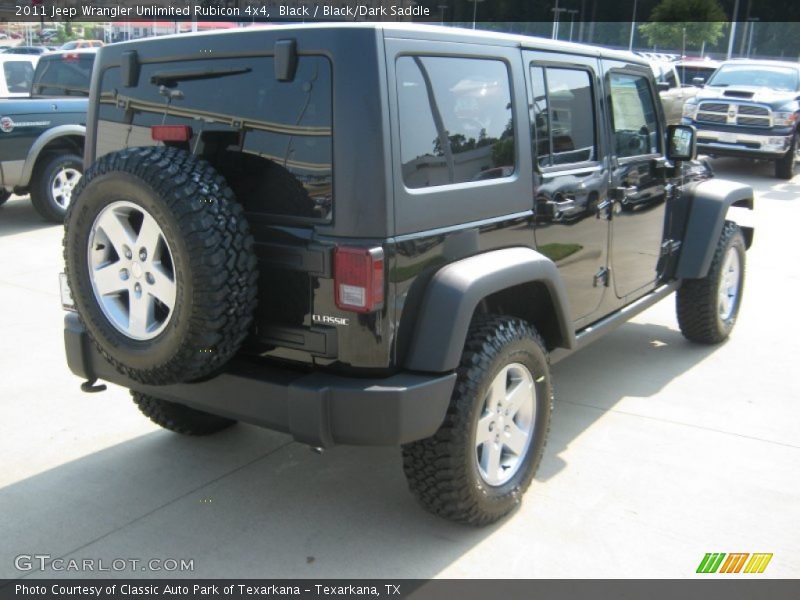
(701, 20)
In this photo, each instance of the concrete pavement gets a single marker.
(660, 451)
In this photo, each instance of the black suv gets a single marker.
(751, 109)
(349, 233)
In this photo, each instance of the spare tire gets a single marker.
(160, 262)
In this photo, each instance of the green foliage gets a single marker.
(701, 20)
(503, 152)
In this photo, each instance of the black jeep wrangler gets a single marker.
(348, 233)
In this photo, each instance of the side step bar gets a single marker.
(598, 329)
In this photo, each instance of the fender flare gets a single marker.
(455, 291)
(39, 145)
(709, 206)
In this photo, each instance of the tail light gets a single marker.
(358, 278)
(171, 133)
(70, 56)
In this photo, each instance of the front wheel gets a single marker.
(53, 183)
(479, 463)
(784, 166)
(707, 308)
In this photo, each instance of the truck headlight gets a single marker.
(784, 119)
(690, 110)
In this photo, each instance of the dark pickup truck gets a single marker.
(750, 109)
(41, 137)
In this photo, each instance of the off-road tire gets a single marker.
(179, 418)
(442, 470)
(784, 166)
(4, 196)
(41, 193)
(214, 263)
(696, 300)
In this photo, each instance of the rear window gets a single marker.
(687, 73)
(63, 75)
(271, 139)
(19, 75)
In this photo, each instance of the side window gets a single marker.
(562, 116)
(19, 75)
(665, 74)
(634, 115)
(455, 120)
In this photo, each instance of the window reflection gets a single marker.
(455, 120)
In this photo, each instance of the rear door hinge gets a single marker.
(602, 277)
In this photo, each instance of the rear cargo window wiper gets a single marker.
(172, 77)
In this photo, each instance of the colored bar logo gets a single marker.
(719, 562)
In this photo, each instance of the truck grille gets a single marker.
(746, 115)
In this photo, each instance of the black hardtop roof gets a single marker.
(408, 31)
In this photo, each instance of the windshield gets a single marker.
(776, 78)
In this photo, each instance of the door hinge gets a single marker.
(602, 277)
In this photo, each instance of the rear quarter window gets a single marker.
(455, 120)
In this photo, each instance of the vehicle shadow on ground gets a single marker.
(248, 502)
(18, 216)
(638, 360)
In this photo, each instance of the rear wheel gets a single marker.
(179, 418)
(4, 196)
(53, 184)
(479, 463)
(707, 308)
(784, 167)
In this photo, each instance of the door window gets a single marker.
(634, 116)
(562, 116)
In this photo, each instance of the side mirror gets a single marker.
(699, 81)
(681, 143)
(662, 86)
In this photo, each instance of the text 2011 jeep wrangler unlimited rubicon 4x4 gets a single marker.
(346, 233)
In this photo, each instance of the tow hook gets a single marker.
(90, 388)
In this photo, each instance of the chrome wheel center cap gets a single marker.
(136, 270)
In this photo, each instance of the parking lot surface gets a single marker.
(660, 452)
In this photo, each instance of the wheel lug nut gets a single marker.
(149, 278)
(142, 254)
(137, 289)
(507, 429)
(128, 253)
(123, 274)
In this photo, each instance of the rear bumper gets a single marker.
(317, 409)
